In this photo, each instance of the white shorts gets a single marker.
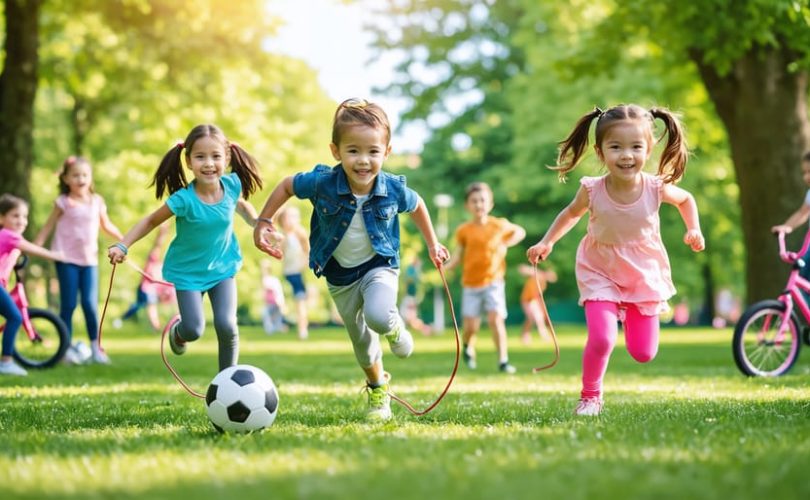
(489, 298)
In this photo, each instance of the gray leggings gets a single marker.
(369, 309)
(223, 303)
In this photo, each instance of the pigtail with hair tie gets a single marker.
(179, 145)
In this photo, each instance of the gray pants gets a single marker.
(369, 309)
(223, 303)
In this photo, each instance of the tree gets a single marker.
(18, 88)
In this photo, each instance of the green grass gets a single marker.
(687, 425)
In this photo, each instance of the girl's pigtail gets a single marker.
(246, 168)
(169, 176)
(572, 148)
(673, 160)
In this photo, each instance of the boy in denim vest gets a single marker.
(354, 237)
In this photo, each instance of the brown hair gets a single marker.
(356, 111)
(476, 187)
(672, 163)
(170, 176)
(9, 202)
(66, 166)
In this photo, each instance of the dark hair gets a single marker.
(9, 202)
(672, 163)
(476, 187)
(69, 162)
(170, 176)
(356, 111)
(806, 156)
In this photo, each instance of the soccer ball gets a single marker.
(241, 398)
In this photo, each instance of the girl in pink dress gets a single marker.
(622, 268)
(78, 216)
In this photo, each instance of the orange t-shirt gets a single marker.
(484, 251)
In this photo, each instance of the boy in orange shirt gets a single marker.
(482, 244)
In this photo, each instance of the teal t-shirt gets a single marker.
(204, 250)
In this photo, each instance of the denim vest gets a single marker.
(333, 206)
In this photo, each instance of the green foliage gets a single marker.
(685, 426)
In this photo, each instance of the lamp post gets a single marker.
(443, 202)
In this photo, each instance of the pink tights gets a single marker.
(641, 337)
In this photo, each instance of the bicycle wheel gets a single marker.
(759, 349)
(49, 343)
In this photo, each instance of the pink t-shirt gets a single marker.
(8, 254)
(76, 234)
(622, 258)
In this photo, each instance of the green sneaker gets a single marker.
(400, 341)
(379, 403)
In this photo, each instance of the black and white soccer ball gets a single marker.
(242, 398)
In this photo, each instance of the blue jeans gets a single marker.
(75, 281)
(9, 310)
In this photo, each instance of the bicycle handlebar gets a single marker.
(791, 257)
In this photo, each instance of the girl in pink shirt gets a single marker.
(13, 221)
(77, 216)
(622, 267)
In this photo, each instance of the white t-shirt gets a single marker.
(355, 247)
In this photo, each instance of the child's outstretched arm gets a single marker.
(689, 213)
(31, 249)
(421, 217)
(564, 222)
(265, 236)
(118, 254)
(795, 220)
(247, 211)
(455, 259)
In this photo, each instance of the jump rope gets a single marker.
(393, 396)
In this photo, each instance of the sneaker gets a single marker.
(100, 357)
(177, 344)
(469, 358)
(400, 341)
(71, 356)
(11, 368)
(506, 368)
(589, 407)
(379, 403)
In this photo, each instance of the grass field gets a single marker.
(688, 425)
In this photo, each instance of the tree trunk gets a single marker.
(18, 88)
(764, 109)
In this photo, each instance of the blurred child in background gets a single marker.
(78, 214)
(482, 245)
(13, 221)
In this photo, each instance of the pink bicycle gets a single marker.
(769, 334)
(43, 337)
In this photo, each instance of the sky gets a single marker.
(328, 35)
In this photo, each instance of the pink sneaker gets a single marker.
(589, 407)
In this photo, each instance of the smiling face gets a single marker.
(207, 160)
(78, 178)
(16, 219)
(479, 203)
(625, 148)
(362, 151)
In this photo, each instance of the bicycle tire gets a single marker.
(51, 344)
(757, 352)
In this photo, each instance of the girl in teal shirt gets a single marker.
(204, 256)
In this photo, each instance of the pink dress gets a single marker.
(622, 258)
(76, 234)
